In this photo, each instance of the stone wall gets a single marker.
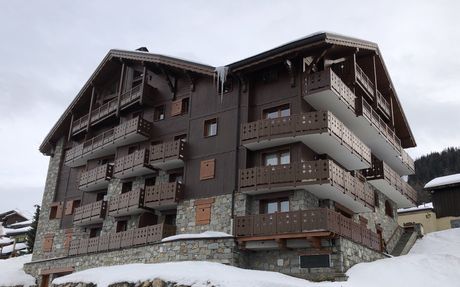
(222, 250)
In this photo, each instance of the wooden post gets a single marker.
(71, 127)
(144, 77)
(120, 88)
(93, 92)
(374, 69)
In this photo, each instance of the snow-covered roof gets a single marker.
(443, 180)
(11, 231)
(425, 206)
(5, 240)
(12, 272)
(21, 223)
(9, 248)
(206, 234)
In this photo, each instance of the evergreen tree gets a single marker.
(33, 231)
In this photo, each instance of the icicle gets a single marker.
(221, 77)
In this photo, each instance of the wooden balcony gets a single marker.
(163, 195)
(383, 178)
(168, 155)
(97, 178)
(132, 131)
(294, 225)
(383, 105)
(326, 91)
(323, 178)
(129, 203)
(107, 110)
(89, 214)
(131, 165)
(321, 131)
(126, 239)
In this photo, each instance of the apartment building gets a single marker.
(295, 155)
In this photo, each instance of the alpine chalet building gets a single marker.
(293, 156)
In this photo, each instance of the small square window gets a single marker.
(159, 113)
(95, 232)
(210, 127)
(185, 105)
(126, 187)
(53, 212)
(122, 226)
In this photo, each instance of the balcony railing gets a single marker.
(302, 222)
(364, 80)
(168, 155)
(383, 105)
(130, 238)
(103, 144)
(128, 203)
(163, 195)
(390, 183)
(323, 178)
(134, 164)
(96, 178)
(407, 160)
(90, 213)
(108, 109)
(308, 128)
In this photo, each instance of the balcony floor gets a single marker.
(135, 171)
(323, 191)
(321, 143)
(392, 193)
(326, 99)
(102, 184)
(167, 164)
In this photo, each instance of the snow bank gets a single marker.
(12, 274)
(443, 180)
(434, 261)
(206, 234)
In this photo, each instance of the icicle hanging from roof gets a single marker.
(221, 77)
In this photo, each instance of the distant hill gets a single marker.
(433, 165)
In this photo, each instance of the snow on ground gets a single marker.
(206, 234)
(12, 274)
(434, 261)
(9, 248)
(443, 180)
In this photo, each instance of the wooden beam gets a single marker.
(291, 70)
(315, 242)
(93, 92)
(144, 77)
(56, 270)
(71, 126)
(171, 85)
(120, 87)
(374, 70)
(286, 236)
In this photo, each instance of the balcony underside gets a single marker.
(323, 190)
(133, 172)
(98, 185)
(108, 149)
(321, 143)
(292, 241)
(392, 193)
(167, 164)
(88, 222)
(327, 99)
(127, 211)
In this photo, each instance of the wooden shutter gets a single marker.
(176, 107)
(207, 169)
(203, 211)
(60, 209)
(48, 243)
(68, 238)
(69, 207)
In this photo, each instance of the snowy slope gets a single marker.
(12, 274)
(434, 261)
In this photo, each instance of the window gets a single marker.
(274, 205)
(126, 187)
(150, 181)
(175, 177)
(210, 127)
(56, 210)
(100, 196)
(185, 105)
(147, 219)
(95, 232)
(159, 113)
(388, 209)
(170, 219)
(455, 223)
(133, 148)
(122, 225)
(137, 114)
(277, 158)
(277, 112)
(376, 199)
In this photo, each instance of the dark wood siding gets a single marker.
(447, 202)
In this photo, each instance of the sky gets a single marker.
(50, 48)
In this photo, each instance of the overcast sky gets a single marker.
(49, 49)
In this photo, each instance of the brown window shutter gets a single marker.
(68, 238)
(68, 207)
(60, 209)
(48, 243)
(207, 169)
(203, 211)
(176, 107)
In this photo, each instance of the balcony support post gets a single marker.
(144, 77)
(93, 92)
(120, 88)
(71, 126)
(374, 71)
